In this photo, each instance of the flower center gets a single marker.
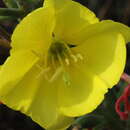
(60, 56)
(61, 53)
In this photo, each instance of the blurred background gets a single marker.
(104, 117)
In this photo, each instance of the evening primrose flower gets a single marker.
(62, 62)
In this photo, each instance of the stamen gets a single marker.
(66, 57)
(56, 74)
(70, 53)
(74, 58)
(41, 56)
(60, 59)
(39, 67)
(36, 53)
(67, 61)
(43, 71)
(53, 61)
(79, 56)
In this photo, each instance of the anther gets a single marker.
(79, 56)
(74, 58)
(67, 61)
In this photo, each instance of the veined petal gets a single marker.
(15, 67)
(34, 31)
(105, 54)
(70, 17)
(85, 92)
(37, 98)
(106, 26)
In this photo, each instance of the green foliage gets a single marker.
(11, 3)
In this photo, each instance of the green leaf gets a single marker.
(4, 34)
(5, 18)
(30, 5)
(109, 112)
(101, 126)
(11, 3)
(89, 120)
(11, 12)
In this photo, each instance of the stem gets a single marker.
(5, 18)
(126, 78)
(5, 43)
(18, 4)
(11, 11)
(5, 34)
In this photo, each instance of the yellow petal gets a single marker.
(35, 97)
(55, 4)
(84, 92)
(15, 67)
(70, 17)
(106, 26)
(35, 31)
(105, 54)
(44, 108)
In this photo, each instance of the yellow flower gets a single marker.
(62, 62)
